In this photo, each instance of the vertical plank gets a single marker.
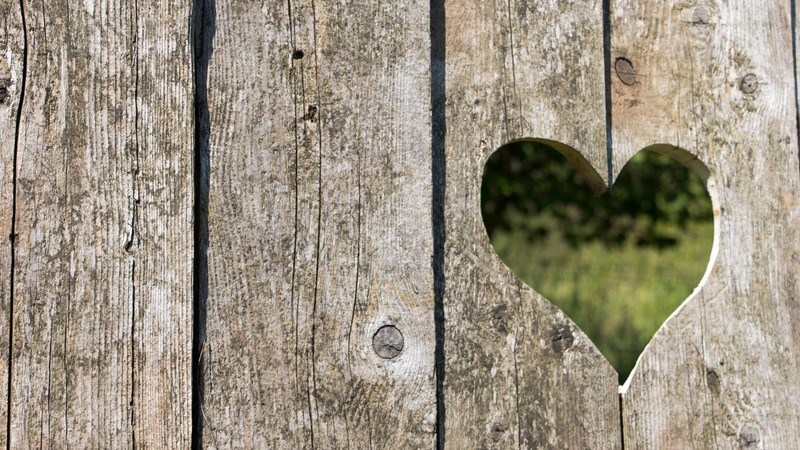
(518, 372)
(717, 80)
(12, 58)
(162, 227)
(101, 344)
(319, 226)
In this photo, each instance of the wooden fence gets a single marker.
(257, 223)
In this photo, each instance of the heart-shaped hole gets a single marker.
(618, 264)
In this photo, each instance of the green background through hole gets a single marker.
(618, 264)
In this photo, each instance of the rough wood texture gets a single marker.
(11, 64)
(319, 226)
(341, 194)
(717, 79)
(518, 372)
(102, 277)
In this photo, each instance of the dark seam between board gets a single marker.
(13, 234)
(203, 26)
(438, 186)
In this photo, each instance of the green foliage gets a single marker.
(618, 295)
(619, 264)
(652, 196)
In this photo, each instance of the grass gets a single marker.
(619, 295)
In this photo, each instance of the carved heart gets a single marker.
(618, 264)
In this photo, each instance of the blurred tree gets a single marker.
(530, 186)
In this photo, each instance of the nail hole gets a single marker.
(311, 114)
(388, 342)
(749, 83)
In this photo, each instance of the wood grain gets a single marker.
(102, 277)
(518, 372)
(716, 79)
(347, 143)
(319, 226)
(12, 57)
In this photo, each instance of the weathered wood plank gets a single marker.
(101, 345)
(716, 79)
(12, 57)
(319, 226)
(162, 333)
(518, 372)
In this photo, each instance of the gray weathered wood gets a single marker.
(101, 343)
(345, 171)
(518, 372)
(319, 226)
(716, 79)
(11, 63)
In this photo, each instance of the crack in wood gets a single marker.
(13, 235)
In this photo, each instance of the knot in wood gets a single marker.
(625, 71)
(498, 430)
(311, 114)
(749, 437)
(712, 381)
(4, 84)
(749, 83)
(561, 338)
(388, 342)
(701, 16)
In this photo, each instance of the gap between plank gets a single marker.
(132, 244)
(438, 183)
(12, 236)
(794, 65)
(607, 74)
(610, 151)
(203, 26)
